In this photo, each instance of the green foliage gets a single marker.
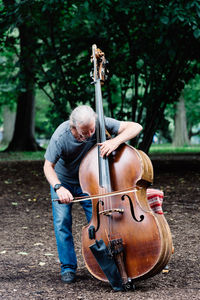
(8, 79)
(42, 123)
(192, 103)
(144, 41)
(191, 94)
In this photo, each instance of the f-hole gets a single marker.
(132, 209)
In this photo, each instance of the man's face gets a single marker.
(85, 131)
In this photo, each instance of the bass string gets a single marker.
(109, 208)
(105, 205)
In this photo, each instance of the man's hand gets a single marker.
(127, 131)
(64, 195)
(108, 146)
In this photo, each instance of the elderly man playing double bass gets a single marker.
(68, 145)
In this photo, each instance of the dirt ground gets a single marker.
(29, 266)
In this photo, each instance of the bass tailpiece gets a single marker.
(116, 250)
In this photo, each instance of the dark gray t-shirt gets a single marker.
(67, 152)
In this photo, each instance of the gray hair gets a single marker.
(82, 114)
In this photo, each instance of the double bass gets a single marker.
(125, 240)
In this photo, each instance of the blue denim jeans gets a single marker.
(62, 220)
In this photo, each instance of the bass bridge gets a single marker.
(109, 212)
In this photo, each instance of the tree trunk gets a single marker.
(8, 124)
(180, 132)
(23, 138)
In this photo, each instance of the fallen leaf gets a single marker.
(7, 182)
(23, 253)
(165, 271)
(38, 244)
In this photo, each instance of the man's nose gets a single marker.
(90, 133)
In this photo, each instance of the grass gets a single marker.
(7, 156)
(155, 149)
(169, 149)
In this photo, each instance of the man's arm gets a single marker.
(127, 131)
(64, 195)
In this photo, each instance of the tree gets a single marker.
(191, 106)
(192, 103)
(8, 124)
(145, 44)
(23, 138)
(151, 58)
(180, 138)
(144, 41)
(8, 85)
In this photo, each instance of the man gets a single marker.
(68, 145)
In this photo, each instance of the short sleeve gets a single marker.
(112, 125)
(53, 152)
